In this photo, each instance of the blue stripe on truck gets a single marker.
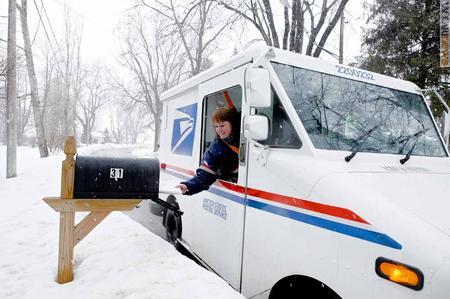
(349, 230)
(334, 226)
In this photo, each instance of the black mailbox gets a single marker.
(104, 177)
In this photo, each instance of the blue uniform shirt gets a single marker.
(218, 160)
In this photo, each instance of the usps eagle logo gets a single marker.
(184, 130)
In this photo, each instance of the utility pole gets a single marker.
(341, 39)
(11, 95)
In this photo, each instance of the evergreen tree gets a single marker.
(404, 42)
(107, 136)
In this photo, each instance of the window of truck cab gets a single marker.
(229, 97)
(282, 133)
(336, 112)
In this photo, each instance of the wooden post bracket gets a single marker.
(69, 234)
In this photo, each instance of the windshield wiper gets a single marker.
(361, 141)
(409, 153)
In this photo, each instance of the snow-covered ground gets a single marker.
(118, 259)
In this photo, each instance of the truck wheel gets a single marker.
(173, 227)
(297, 286)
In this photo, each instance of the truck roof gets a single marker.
(295, 59)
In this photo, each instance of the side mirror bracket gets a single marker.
(256, 128)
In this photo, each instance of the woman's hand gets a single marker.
(182, 187)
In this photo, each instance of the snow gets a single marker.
(118, 259)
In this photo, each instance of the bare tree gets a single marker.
(38, 122)
(92, 96)
(117, 125)
(70, 69)
(128, 121)
(23, 103)
(2, 93)
(321, 18)
(61, 82)
(2, 67)
(2, 110)
(23, 116)
(52, 99)
(155, 63)
(23, 106)
(137, 122)
(198, 25)
(54, 120)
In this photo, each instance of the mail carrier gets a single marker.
(343, 186)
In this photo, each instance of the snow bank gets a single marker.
(118, 259)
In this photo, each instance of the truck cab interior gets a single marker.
(230, 97)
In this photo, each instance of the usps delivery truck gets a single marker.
(343, 188)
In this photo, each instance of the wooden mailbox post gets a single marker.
(69, 233)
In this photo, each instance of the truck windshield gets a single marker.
(336, 111)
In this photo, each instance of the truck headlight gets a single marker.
(405, 275)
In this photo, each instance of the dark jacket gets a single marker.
(219, 160)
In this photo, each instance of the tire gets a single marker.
(172, 222)
(301, 287)
(173, 227)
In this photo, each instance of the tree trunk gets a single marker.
(88, 134)
(11, 97)
(273, 30)
(298, 43)
(157, 132)
(293, 25)
(329, 28)
(38, 123)
(286, 28)
(157, 125)
(315, 29)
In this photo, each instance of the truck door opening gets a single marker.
(230, 97)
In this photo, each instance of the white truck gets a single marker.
(343, 188)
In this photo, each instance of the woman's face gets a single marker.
(223, 129)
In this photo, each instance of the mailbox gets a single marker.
(105, 177)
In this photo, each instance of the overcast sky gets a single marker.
(99, 18)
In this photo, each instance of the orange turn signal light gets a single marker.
(405, 275)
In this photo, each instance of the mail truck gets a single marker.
(343, 186)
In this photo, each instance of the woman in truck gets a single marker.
(221, 158)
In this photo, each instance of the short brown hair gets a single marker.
(224, 114)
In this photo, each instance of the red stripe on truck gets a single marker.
(297, 202)
(283, 199)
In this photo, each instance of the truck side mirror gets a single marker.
(256, 127)
(257, 87)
